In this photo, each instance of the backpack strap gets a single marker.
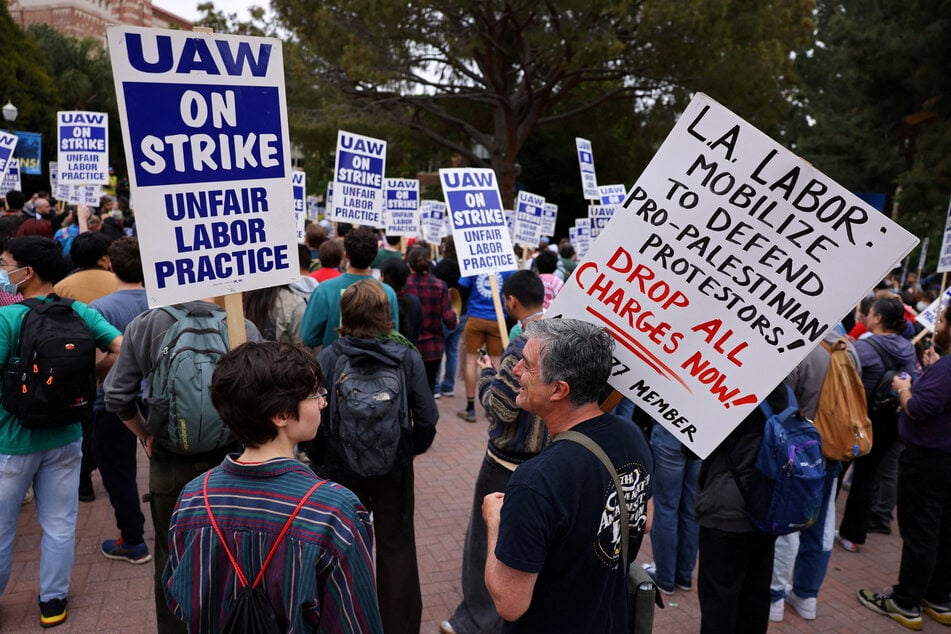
(595, 448)
(883, 354)
(280, 538)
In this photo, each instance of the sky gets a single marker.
(187, 8)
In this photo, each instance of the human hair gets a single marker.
(36, 227)
(576, 352)
(9, 225)
(546, 262)
(365, 310)
(526, 287)
(418, 260)
(566, 251)
(892, 311)
(88, 248)
(361, 247)
(448, 247)
(303, 253)
(256, 382)
(15, 199)
(258, 303)
(330, 254)
(865, 305)
(343, 228)
(43, 255)
(394, 241)
(126, 259)
(394, 272)
(315, 235)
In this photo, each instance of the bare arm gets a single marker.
(510, 589)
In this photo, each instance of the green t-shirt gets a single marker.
(382, 256)
(14, 438)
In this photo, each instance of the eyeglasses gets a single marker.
(4, 265)
(319, 394)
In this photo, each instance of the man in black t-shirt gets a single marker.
(554, 544)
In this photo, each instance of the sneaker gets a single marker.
(467, 415)
(446, 628)
(883, 603)
(86, 492)
(438, 395)
(940, 612)
(686, 587)
(651, 570)
(776, 609)
(119, 550)
(448, 394)
(846, 544)
(879, 529)
(53, 612)
(806, 608)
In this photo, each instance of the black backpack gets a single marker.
(369, 413)
(50, 380)
(883, 400)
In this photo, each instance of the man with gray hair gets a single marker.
(554, 536)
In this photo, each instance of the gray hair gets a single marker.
(576, 352)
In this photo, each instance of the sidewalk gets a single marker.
(113, 596)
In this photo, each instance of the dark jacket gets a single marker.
(325, 451)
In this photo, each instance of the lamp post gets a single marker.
(10, 113)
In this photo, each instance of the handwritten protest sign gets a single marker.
(358, 177)
(589, 180)
(549, 218)
(483, 243)
(8, 143)
(299, 183)
(11, 180)
(528, 219)
(204, 124)
(611, 194)
(402, 207)
(728, 261)
(944, 256)
(83, 143)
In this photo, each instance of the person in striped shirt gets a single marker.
(321, 576)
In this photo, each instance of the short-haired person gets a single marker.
(321, 577)
(554, 537)
(367, 340)
(322, 317)
(433, 295)
(90, 252)
(329, 256)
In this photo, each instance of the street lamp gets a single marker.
(10, 112)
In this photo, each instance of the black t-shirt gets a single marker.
(560, 519)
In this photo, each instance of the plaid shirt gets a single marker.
(433, 294)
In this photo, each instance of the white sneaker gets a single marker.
(776, 609)
(805, 607)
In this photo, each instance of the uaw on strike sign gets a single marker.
(204, 124)
(727, 262)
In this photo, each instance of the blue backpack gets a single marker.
(786, 490)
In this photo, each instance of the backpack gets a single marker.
(786, 490)
(181, 415)
(883, 400)
(252, 612)
(370, 413)
(50, 381)
(842, 415)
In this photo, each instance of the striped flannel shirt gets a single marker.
(321, 577)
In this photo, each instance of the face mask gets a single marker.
(6, 285)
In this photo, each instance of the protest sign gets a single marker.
(60, 191)
(929, 316)
(89, 195)
(329, 205)
(358, 177)
(11, 180)
(528, 219)
(8, 143)
(204, 125)
(313, 207)
(583, 235)
(600, 215)
(589, 180)
(83, 144)
(30, 152)
(549, 218)
(402, 207)
(298, 181)
(432, 219)
(728, 261)
(944, 256)
(611, 194)
(483, 243)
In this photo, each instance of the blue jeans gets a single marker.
(674, 532)
(448, 383)
(54, 474)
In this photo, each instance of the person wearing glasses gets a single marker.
(320, 578)
(368, 343)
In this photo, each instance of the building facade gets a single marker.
(89, 18)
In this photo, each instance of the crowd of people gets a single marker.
(299, 480)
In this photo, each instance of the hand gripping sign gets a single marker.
(727, 262)
(204, 124)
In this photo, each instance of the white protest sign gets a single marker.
(573, 237)
(509, 220)
(402, 207)
(84, 195)
(11, 180)
(8, 143)
(923, 255)
(299, 184)
(329, 205)
(583, 233)
(944, 256)
(528, 219)
(929, 316)
(313, 207)
(204, 124)
(600, 215)
(589, 180)
(60, 191)
(729, 260)
(358, 177)
(483, 243)
(549, 218)
(611, 194)
(83, 144)
(432, 218)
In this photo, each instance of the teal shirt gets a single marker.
(322, 317)
(14, 438)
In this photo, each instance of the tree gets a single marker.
(479, 78)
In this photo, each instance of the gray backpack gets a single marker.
(181, 415)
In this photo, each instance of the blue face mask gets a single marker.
(6, 285)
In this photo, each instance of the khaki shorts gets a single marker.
(483, 331)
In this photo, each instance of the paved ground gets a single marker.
(111, 596)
